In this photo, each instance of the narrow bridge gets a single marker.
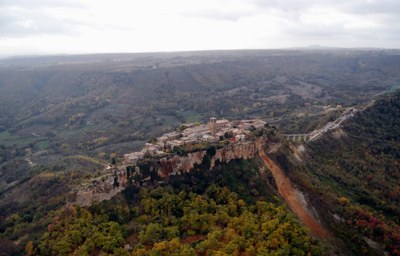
(305, 137)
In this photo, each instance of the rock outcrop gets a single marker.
(176, 165)
(245, 150)
(116, 179)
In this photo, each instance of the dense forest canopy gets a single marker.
(168, 222)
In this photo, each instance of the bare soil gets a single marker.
(193, 239)
(292, 198)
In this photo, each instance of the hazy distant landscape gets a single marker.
(92, 100)
(62, 118)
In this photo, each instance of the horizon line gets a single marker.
(311, 47)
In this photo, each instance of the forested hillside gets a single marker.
(199, 213)
(352, 176)
(165, 222)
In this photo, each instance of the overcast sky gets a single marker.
(91, 26)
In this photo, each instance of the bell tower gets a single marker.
(213, 126)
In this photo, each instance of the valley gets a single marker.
(72, 130)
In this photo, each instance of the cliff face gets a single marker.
(100, 189)
(115, 180)
(245, 150)
(179, 164)
(183, 164)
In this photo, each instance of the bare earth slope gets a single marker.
(291, 196)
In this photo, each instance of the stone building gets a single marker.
(213, 126)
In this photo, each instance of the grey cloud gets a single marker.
(292, 5)
(38, 4)
(33, 23)
(374, 7)
(22, 18)
(314, 30)
(218, 14)
(385, 14)
(388, 36)
(350, 7)
(17, 15)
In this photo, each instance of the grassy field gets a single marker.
(191, 116)
(87, 158)
(8, 139)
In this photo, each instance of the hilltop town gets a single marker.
(190, 134)
(180, 151)
(174, 153)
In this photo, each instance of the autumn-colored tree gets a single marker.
(29, 248)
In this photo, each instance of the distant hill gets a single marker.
(90, 101)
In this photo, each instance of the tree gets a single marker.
(29, 249)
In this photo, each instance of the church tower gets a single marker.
(213, 126)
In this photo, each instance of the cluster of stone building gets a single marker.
(116, 178)
(212, 132)
(241, 145)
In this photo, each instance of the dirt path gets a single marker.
(291, 196)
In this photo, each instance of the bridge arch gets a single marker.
(299, 137)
